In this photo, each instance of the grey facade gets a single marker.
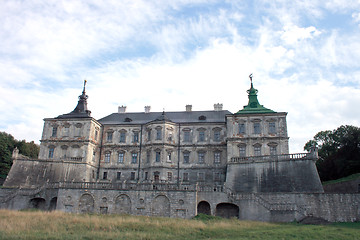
(174, 164)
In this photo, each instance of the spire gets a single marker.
(80, 110)
(253, 105)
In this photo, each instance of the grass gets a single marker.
(59, 225)
(344, 179)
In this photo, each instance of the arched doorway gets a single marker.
(37, 203)
(123, 204)
(53, 202)
(161, 206)
(227, 210)
(204, 208)
(86, 204)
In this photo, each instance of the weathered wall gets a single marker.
(343, 187)
(273, 176)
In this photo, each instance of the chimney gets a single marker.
(188, 108)
(147, 109)
(122, 109)
(218, 107)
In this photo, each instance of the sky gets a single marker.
(304, 57)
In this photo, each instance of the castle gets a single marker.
(174, 164)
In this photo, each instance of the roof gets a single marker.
(176, 117)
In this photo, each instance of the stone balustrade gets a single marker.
(270, 158)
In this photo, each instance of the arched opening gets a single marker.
(123, 204)
(53, 202)
(161, 206)
(204, 208)
(227, 210)
(86, 204)
(37, 203)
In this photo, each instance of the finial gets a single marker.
(251, 76)
(84, 85)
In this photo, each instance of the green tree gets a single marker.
(339, 152)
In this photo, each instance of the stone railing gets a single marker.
(123, 186)
(210, 188)
(270, 158)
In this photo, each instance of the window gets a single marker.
(54, 131)
(105, 175)
(146, 175)
(118, 175)
(96, 134)
(242, 150)
(201, 136)
(158, 134)
(187, 136)
(64, 151)
(272, 128)
(201, 157)
(217, 157)
(148, 154)
(185, 176)
(216, 135)
(121, 157)
(136, 137)
(94, 154)
(134, 158)
(149, 135)
(169, 176)
(201, 176)
(51, 152)
(257, 150)
(257, 128)
(66, 131)
(132, 176)
(122, 137)
(186, 157)
(109, 136)
(241, 128)
(273, 150)
(169, 157)
(217, 176)
(107, 157)
(157, 156)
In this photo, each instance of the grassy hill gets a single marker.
(59, 225)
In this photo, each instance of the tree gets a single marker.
(339, 152)
(7, 145)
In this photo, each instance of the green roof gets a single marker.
(254, 106)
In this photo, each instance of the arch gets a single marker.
(86, 203)
(53, 203)
(161, 206)
(123, 204)
(227, 210)
(204, 208)
(37, 203)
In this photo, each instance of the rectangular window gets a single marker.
(273, 150)
(118, 175)
(132, 176)
(157, 156)
(201, 136)
(104, 175)
(272, 128)
(51, 152)
(257, 129)
(122, 137)
(136, 137)
(242, 150)
(134, 158)
(257, 150)
(201, 157)
(149, 135)
(158, 134)
(66, 132)
(241, 128)
(185, 176)
(54, 132)
(169, 176)
(107, 157)
(187, 136)
(216, 135)
(121, 157)
(109, 137)
(217, 157)
(94, 154)
(146, 175)
(148, 154)
(96, 134)
(216, 176)
(169, 157)
(201, 176)
(186, 157)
